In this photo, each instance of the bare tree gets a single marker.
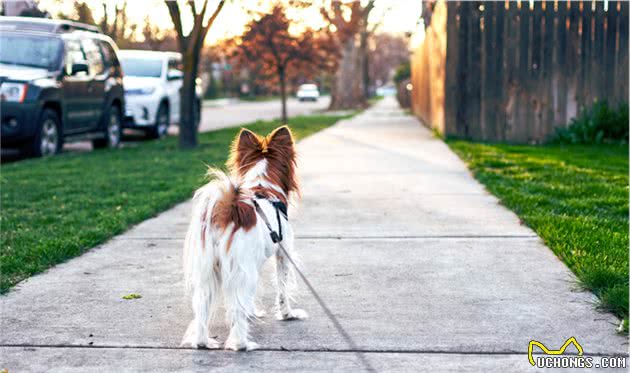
(349, 22)
(190, 47)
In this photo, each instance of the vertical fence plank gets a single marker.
(462, 73)
(546, 73)
(560, 73)
(584, 92)
(610, 31)
(488, 70)
(473, 72)
(512, 55)
(572, 66)
(499, 75)
(519, 133)
(598, 74)
(453, 66)
(621, 92)
(535, 83)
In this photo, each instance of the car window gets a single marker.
(33, 51)
(74, 53)
(175, 64)
(93, 56)
(109, 55)
(142, 67)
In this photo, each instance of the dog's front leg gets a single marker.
(285, 279)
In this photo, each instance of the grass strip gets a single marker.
(575, 197)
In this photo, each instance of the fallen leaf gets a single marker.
(132, 296)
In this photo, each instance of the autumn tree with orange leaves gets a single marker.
(268, 43)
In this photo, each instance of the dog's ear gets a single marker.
(281, 137)
(244, 146)
(247, 140)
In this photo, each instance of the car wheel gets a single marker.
(113, 130)
(162, 121)
(48, 139)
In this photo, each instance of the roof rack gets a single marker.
(45, 25)
(66, 26)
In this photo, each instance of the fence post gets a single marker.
(454, 57)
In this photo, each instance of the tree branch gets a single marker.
(191, 3)
(173, 10)
(211, 20)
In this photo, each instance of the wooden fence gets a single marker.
(513, 71)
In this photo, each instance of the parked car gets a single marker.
(153, 81)
(308, 92)
(386, 90)
(60, 81)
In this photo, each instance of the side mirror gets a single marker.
(174, 75)
(78, 67)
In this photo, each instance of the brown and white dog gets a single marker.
(228, 242)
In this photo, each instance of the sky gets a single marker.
(393, 16)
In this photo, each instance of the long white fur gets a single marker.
(214, 275)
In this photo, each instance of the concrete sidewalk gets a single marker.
(423, 268)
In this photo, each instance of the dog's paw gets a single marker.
(241, 346)
(209, 343)
(296, 314)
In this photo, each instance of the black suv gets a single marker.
(59, 81)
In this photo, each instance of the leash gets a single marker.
(277, 239)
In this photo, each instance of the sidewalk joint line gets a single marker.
(326, 350)
(402, 237)
(412, 237)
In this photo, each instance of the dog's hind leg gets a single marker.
(285, 281)
(197, 334)
(239, 292)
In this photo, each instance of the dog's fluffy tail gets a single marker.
(215, 205)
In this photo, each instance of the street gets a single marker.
(233, 113)
(215, 114)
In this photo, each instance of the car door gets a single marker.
(76, 107)
(96, 85)
(174, 82)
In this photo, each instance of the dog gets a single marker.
(228, 240)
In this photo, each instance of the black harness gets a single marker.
(281, 208)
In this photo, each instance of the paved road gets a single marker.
(215, 115)
(423, 268)
(235, 113)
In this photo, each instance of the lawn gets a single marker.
(575, 197)
(56, 208)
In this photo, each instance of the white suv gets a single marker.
(152, 82)
(308, 92)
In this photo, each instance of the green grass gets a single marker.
(57, 208)
(259, 98)
(375, 99)
(575, 197)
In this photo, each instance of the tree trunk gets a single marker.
(283, 93)
(364, 57)
(347, 90)
(187, 125)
